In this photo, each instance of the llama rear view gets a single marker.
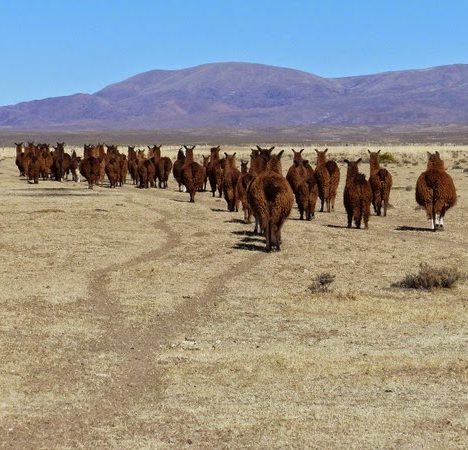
(435, 191)
(380, 180)
(357, 195)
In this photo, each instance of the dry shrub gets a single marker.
(387, 157)
(457, 166)
(430, 277)
(408, 188)
(321, 283)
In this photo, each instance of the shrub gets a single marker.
(430, 277)
(321, 282)
(387, 157)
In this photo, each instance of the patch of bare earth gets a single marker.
(133, 319)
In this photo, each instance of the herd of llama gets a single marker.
(259, 187)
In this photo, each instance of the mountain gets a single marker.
(243, 95)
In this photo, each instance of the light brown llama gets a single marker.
(357, 195)
(271, 199)
(214, 170)
(230, 178)
(435, 191)
(380, 180)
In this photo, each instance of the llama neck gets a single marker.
(189, 156)
(274, 165)
(243, 168)
(351, 174)
(321, 159)
(374, 165)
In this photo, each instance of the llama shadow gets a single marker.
(408, 228)
(180, 201)
(235, 221)
(249, 247)
(244, 233)
(341, 227)
(219, 210)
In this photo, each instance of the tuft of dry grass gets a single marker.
(321, 282)
(387, 157)
(430, 277)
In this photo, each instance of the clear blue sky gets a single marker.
(60, 47)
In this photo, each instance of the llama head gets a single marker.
(274, 163)
(297, 155)
(353, 166)
(321, 156)
(435, 161)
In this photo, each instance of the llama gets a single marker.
(193, 174)
(306, 197)
(206, 163)
(90, 166)
(74, 167)
(213, 167)
(177, 168)
(123, 170)
(113, 170)
(380, 181)
(164, 168)
(357, 195)
(19, 158)
(435, 191)
(323, 179)
(271, 199)
(230, 178)
(241, 189)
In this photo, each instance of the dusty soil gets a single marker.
(133, 319)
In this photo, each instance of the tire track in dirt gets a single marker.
(139, 347)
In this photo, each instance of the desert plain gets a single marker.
(131, 318)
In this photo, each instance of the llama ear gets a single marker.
(225, 154)
(429, 154)
(346, 161)
(359, 160)
(325, 151)
(437, 153)
(368, 151)
(258, 146)
(301, 150)
(280, 154)
(234, 154)
(316, 150)
(378, 153)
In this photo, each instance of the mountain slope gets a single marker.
(253, 96)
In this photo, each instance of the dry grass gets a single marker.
(321, 282)
(133, 319)
(430, 277)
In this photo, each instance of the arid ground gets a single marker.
(133, 319)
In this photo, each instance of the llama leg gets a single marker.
(268, 237)
(357, 214)
(350, 218)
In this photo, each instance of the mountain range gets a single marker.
(245, 95)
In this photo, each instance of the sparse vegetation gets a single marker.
(430, 277)
(321, 283)
(387, 157)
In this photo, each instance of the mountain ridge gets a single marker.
(248, 95)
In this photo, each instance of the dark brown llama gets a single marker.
(357, 195)
(380, 180)
(193, 174)
(435, 191)
(164, 170)
(242, 184)
(323, 179)
(177, 167)
(271, 199)
(230, 178)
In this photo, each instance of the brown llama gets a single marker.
(177, 167)
(323, 179)
(113, 170)
(123, 170)
(435, 191)
(241, 188)
(90, 165)
(306, 196)
(230, 178)
(74, 167)
(303, 183)
(271, 199)
(133, 164)
(380, 180)
(357, 195)
(215, 170)
(19, 158)
(164, 167)
(206, 163)
(193, 174)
